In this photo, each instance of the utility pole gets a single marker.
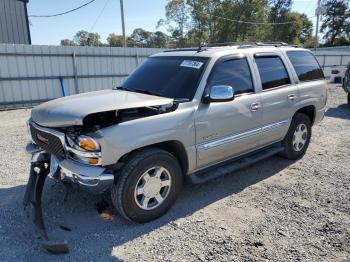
(317, 13)
(123, 24)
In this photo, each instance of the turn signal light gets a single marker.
(88, 144)
(93, 161)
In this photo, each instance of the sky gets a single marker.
(103, 16)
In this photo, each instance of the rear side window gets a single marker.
(305, 65)
(272, 71)
(235, 73)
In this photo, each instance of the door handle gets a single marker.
(254, 106)
(291, 97)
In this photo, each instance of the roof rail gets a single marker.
(238, 44)
(250, 44)
(181, 49)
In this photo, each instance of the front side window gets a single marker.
(234, 73)
(305, 65)
(171, 76)
(272, 71)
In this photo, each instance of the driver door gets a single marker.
(228, 129)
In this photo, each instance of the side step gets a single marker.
(235, 164)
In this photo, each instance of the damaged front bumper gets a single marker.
(91, 178)
(94, 179)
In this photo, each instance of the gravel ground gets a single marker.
(276, 210)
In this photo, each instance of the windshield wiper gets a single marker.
(148, 92)
(138, 91)
(123, 88)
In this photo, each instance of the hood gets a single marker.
(71, 110)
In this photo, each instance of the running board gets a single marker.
(235, 164)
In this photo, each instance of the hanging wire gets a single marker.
(66, 12)
(99, 16)
(247, 22)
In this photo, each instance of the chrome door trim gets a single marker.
(274, 125)
(240, 136)
(229, 139)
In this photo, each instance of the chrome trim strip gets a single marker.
(58, 134)
(83, 153)
(274, 125)
(240, 136)
(229, 139)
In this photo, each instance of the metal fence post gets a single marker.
(76, 86)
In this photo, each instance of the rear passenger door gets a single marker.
(279, 95)
(311, 82)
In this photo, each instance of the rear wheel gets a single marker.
(349, 98)
(298, 137)
(148, 185)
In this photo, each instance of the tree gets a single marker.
(68, 42)
(84, 38)
(307, 29)
(299, 32)
(141, 38)
(159, 39)
(278, 14)
(115, 40)
(177, 20)
(336, 22)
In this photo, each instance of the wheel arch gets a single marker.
(176, 148)
(309, 110)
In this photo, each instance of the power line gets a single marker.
(248, 22)
(99, 16)
(66, 12)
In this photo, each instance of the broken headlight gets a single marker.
(84, 149)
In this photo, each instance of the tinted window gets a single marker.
(172, 77)
(272, 72)
(235, 73)
(305, 65)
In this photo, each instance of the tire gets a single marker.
(348, 98)
(133, 174)
(292, 149)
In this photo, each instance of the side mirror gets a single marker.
(220, 93)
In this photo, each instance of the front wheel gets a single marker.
(349, 98)
(148, 185)
(298, 137)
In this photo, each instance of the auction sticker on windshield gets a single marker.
(192, 64)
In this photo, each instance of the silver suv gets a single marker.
(183, 114)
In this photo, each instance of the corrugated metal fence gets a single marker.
(31, 74)
(328, 59)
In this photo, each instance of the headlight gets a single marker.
(88, 144)
(83, 143)
(84, 149)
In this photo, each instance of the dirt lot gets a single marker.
(276, 210)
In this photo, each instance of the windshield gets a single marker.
(171, 76)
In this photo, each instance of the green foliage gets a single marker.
(200, 22)
(336, 22)
(68, 42)
(84, 38)
(194, 22)
(115, 40)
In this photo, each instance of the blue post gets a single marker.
(63, 88)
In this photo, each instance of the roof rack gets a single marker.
(183, 49)
(238, 44)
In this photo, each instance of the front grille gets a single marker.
(50, 143)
